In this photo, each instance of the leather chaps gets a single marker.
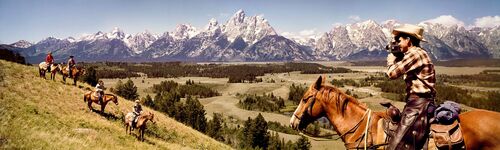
(412, 131)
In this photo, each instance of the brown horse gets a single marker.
(142, 119)
(75, 73)
(90, 97)
(358, 127)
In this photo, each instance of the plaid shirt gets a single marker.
(417, 68)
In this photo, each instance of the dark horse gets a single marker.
(90, 97)
(142, 119)
(75, 73)
(358, 127)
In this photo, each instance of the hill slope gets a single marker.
(37, 113)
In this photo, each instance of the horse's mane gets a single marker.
(339, 98)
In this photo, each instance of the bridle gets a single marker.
(308, 112)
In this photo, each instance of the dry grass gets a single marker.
(43, 114)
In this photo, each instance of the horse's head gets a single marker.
(309, 108)
(151, 117)
(114, 99)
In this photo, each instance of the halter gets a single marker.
(309, 108)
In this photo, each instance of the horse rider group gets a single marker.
(71, 63)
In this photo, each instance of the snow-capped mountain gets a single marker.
(490, 37)
(139, 42)
(184, 31)
(343, 41)
(252, 38)
(21, 44)
(251, 29)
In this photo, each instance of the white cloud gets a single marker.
(302, 36)
(336, 24)
(354, 18)
(446, 20)
(487, 21)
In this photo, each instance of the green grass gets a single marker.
(43, 114)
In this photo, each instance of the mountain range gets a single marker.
(252, 38)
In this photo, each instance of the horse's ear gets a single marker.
(318, 83)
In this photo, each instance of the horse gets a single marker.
(359, 127)
(75, 72)
(53, 71)
(90, 97)
(43, 68)
(142, 119)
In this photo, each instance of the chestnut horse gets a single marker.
(75, 72)
(358, 127)
(90, 97)
(142, 119)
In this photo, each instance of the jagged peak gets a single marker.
(212, 25)
(116, 29)
(238, 17)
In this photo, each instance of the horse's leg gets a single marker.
(89, 103)
(74, 81)
(142, 134)
(103, 106)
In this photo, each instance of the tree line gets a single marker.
(296, 93)
(235, 73)
(265, 103)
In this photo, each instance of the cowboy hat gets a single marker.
(412, 30)
(137, 101)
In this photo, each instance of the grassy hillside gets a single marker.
(37, 113)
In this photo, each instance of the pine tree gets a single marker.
(90, 76)
(148, 101)
(303, 143)
(127, 90)
(261, 137)
(214, 129)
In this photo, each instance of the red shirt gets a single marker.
(49, 59)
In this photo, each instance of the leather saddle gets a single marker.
(445, 136)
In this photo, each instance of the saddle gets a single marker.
(446, 136)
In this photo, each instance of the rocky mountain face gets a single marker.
(252, 38)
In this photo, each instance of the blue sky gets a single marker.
(34, 20)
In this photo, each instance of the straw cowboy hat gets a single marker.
(137, 101)
(413, 30)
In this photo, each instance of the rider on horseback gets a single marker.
(49, 60)
(71, 64)
(407, 58)
(137, 109)
(99, 89)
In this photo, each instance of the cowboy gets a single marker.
(137, 109)
(49, 60)
(99, 89)
(413, 63)
(71, 64)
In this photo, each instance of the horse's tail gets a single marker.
(84, 97)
